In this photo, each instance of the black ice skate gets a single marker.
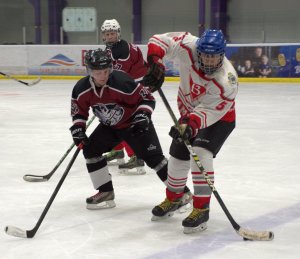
(196, 221)
(134, 166)
(101, 200)
(115, 157)
(165, 209)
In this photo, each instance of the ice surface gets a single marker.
(257, 176)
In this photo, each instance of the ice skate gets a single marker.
(115, 157)
(134, 166)
(185, 201)
(196, 221)
(165, 209)
(101, 200)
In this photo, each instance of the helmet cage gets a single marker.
(209, 67)
(211, 47)
(109, 26)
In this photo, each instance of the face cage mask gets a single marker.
(111, 44)
(207, 69)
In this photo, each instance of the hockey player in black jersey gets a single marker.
(124, 109)
(128, 58)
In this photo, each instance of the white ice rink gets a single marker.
(257, 176)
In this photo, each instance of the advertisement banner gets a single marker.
(62, 60)
(258, 61)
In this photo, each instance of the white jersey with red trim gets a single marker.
(205, 98)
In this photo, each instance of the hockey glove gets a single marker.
(78, 135)
(140, 123)
(156, 73)
(186, 131)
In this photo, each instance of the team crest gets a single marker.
(74, 108)
(232, 79)
(109, 114)
(197, 90)
(144, 92)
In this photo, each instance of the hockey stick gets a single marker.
(245, 233)
(34, 82)
(44, 178)
(18, 232)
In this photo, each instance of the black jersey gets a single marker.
(114, 103)
(128, 58)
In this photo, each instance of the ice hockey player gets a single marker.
(206, 102)
(128, 58)
(124, 109)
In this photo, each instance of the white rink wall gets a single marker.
(68, 60)
(43, 59)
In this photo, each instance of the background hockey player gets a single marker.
(124, 109)
(206, 94)
(129, 59)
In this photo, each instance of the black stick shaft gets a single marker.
(235, 225)
(48, 176)
(31, 233)
(13, 78)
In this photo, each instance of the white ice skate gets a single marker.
(101, 200)
(115, 157)
(134, 166)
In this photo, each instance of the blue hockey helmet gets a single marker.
(212, 45)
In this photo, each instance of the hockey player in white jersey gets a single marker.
(206, 102)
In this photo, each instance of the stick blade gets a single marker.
(34, 82)
(16, 232)
(255, 235)
(34, 178)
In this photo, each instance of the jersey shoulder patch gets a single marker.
(232, 78)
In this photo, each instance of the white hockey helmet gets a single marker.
(111, 25)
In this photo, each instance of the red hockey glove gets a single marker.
(155, 76)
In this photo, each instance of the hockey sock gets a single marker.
(107, 187)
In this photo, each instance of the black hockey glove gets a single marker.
(78, 135)
(140, 123)
(155, 76)
(186, 131)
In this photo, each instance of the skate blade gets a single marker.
(133, 171)
(190, 230)
(118, 161)
(185, 208)
(158, 218)
(102, 205)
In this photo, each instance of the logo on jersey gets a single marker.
(151, 147)
(109, 114)
(74, 108)
(144, 92)
(196, 89)
(232, 79)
